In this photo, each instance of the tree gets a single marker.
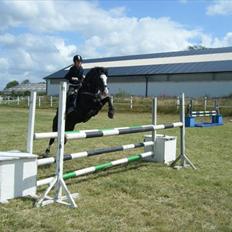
(196, 47)
(11, 84)
(25, 82)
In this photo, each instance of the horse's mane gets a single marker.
(92, 79)
(96, 71)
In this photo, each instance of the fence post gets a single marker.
(39, 101)
(18, 100)
(205, 103)
(51, 101)
(177, 102)
(131, 103)
(28, 101)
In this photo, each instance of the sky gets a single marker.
(40, 37)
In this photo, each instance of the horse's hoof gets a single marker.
(111, 114)
(45, 155)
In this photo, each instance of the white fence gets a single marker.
(126, 103)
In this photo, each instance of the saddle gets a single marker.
(72, 97)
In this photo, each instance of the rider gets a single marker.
(75, 76)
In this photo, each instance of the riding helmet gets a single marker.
(77, 58)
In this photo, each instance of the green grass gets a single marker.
(139, 197)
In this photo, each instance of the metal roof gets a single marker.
(164, 54)
(171, 68)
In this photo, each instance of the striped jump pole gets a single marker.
(216, 118)
(99, 151)
(98, 167)
(110, 132)
(121, 131)
(203, 113)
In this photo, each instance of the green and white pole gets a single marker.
(99, 167)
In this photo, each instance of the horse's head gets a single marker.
(103, 82)
(96, 80)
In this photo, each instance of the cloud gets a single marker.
(32, 57)
(222, 7)
(214, 42)
(145, 35)
(37, 15)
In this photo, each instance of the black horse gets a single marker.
(90, 99)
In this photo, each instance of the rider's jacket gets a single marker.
(75, 75)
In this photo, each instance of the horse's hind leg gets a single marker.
(51, 141)
(47, 151)
(70, 124)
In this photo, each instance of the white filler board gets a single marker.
(18, 173)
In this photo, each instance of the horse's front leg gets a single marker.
(111, 108)
(108, 100)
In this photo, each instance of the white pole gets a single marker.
(154, 116)
(60, 148)
(58, 181)
(31, 123)
(184, 160)
(18, 100)
(60, 141)
(112, 99)
(182, 131)
(131, 102)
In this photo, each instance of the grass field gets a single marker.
(139, 197)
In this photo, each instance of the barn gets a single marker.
(204, 72)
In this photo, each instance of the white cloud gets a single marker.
(220, 7)
(213, 42)
(32, 57)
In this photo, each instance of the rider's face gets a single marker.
(78, 63)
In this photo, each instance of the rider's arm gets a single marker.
(69, 75)
(82, 76)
